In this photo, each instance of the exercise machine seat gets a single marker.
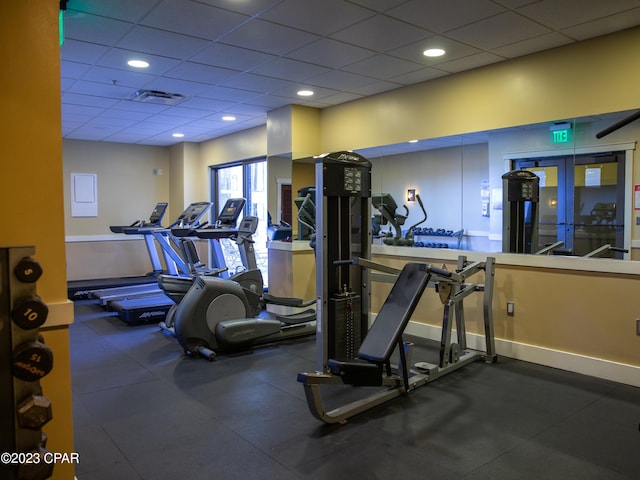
(386, 332)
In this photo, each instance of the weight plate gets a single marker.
(32, 361)
(28, 270)
(30, 314)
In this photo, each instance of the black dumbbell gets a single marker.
(30, 313)
(32, 361)
(34, 411)
(28, 270)
(36, 470)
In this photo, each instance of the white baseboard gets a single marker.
(595, 367)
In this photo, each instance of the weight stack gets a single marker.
(24, 360)
(345, 334)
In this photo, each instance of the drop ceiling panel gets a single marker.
(130, 11)
(323, 17)
(472, 61)
(201, 73)
(443, 15)
(234, 95)
(339, 80)
(193, 19)
(268, 37)
(249, 57)
(82, 52)
(378, 5)
(381, 33)
(414, 51)
(331, 53)
(418, 76)
(174, 85)
(162, 43)
(69, 99)
(253, 7)
(257, 83)
(532, 45)
(498, 31)
(234, 58)
(122, 78)
(603, 26)
(117, 58)
(391, 66)
(559, 14)
(95, 29)
(293, 70)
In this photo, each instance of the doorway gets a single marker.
(582, 200)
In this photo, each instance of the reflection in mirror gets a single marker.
(279, 197)
(585, 198)
(303, 190)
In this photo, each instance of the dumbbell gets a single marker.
(34, 411)
(32, 361)
(28, 270)
(36, 471)
(30, 313)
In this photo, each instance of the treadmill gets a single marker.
(225, 226)
(144, 308)
(83, 289)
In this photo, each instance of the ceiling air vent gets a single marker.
(157, 97)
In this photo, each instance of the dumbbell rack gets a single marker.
(441, 233)
(24, 360)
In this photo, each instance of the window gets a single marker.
(247, 179)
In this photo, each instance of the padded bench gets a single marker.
(386, 332)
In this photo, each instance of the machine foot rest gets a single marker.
(295, 318)
(357, 372)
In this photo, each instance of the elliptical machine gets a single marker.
(227, 314)
(387, 207)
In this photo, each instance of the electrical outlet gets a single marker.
(511, 307)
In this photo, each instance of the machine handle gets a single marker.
(338, 263)
(439, 271)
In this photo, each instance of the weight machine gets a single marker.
(348, 351)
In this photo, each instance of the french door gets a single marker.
(581, 201)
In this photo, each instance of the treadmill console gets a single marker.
(158, 212)
(193, 213)
(230, 213)
(248, 226)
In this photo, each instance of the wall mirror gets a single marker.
(587, 186)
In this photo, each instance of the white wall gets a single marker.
(448, 180)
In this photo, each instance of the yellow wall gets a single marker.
(305, 131)
(585, 78)
(131, 180)
(576, 312)
(31, 188)
(247, 144)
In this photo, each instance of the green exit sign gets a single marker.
(560, 133)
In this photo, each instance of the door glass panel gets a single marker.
(595, 207)
(549, 227)
(580, 202)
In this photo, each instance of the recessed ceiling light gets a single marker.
(138, 63)
(413, 141)
(178, 135)
(228, 118)
(433, 52)
(305, 93)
